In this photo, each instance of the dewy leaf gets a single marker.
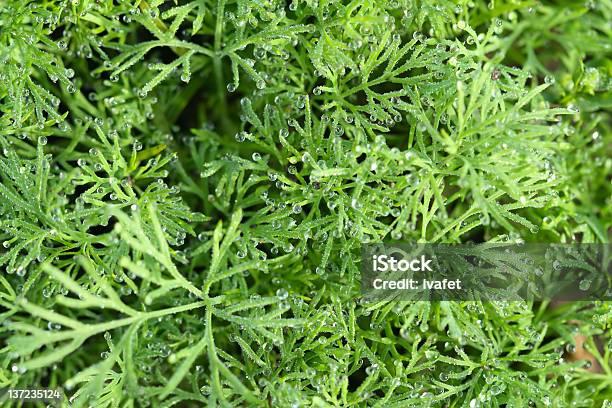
(186, 364)
(165, 71)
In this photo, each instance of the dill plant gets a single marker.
(186, 187)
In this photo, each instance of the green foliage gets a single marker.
(185, 187)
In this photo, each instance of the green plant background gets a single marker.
(185, 187)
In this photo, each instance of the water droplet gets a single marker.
(497, 389)
(296, 209)
(256, 156)
(572, 108)
(282, 294)
(443, 377)
(584, 284)
(231, 87)
(371, 369)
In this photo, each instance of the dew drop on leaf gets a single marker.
(584, 284)
(371, 369)
(282, 294)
